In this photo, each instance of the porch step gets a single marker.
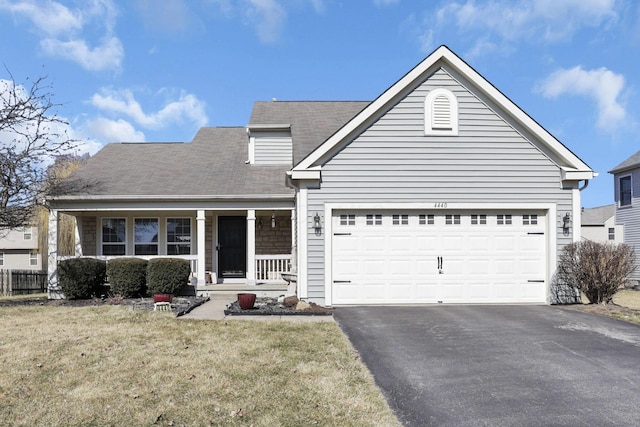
(261, 290)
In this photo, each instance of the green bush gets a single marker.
(81, 278)
(128, 276)
(167, 275)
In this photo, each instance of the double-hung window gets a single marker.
(178, 236)
(114, 236)
(625, 190)
(33, 258)
(27, 233)
(145, 231)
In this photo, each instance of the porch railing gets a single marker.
(270, 267)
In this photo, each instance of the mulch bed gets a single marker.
(272, 307)
(179, 305)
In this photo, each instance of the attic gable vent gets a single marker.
(441, 113)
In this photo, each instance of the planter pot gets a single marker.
(246, 301)
(207, 278)
(162, 298)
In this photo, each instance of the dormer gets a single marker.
(270, 144)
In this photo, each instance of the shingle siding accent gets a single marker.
(393, 161)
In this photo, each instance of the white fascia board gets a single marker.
(307, 174)
(577, 175)
(161, 197)
(267, 127)
(448, 58)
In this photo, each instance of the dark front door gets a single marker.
(232, 246)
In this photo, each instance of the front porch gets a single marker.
(230, 251)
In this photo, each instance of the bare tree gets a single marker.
(31, 135)
(598, 270)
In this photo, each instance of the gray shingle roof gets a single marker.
(312, 122)
(632, 162)
(597, 216)
(213, 164)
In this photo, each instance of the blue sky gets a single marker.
(147, 70)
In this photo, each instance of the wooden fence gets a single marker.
(22, 282)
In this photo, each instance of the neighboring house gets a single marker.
(441, 190)
(626, 179)
(598, 225)
(19, 249)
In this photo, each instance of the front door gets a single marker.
(232, 246)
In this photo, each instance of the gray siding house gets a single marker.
(626, 178)
(441, 190)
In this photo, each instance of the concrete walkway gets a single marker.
(214, 310)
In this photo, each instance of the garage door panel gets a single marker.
(398, 263)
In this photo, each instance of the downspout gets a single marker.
(586, 184)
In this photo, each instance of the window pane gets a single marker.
(146, 230)
(625, 191)
(146, 249)
(114, 230)
(179, 230)
(113, 250)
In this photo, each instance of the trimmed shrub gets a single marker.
(128, 276)
(596, 269)
(167, 275)
(81, 278)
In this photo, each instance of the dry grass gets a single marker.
(628, 298)
(114, 366)
(23, 297)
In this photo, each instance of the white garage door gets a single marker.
(394, 257)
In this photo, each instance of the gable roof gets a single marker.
(212, 165)
(312, 122)
(598, 215)
(573, 168)
(632, 162)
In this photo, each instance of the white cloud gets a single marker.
(106, 56)
(49, 17)
(187, 108)
(64, 30)
(107, 130)
(602, 85)
(500, 22)
(268, 17)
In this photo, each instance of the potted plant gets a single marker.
(246, 301)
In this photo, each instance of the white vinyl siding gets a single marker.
(490, 161)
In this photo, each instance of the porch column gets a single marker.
(200, 223)
(251, 247)
(53, 292)
(294, 251)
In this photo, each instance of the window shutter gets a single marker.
(441, 113)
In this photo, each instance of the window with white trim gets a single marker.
(452, 219)
(178, 236)
(612, 233)
(374, 219)
(530, 219)
(114, 236)
(504, 220)
(400, 219)
(624, 190)
(441, 113)
(145, 235)
(1, 259)
(33, 258)
(27, 233)
(478, 219)
(348, 219)
(426, 219)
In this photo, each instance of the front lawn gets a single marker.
(114, 366)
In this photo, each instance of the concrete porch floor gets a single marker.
(261, 289)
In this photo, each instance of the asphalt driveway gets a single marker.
(499, 365)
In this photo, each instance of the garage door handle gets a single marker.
(537, 233)
(342, 234)
(535, 281)
(342, 281)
